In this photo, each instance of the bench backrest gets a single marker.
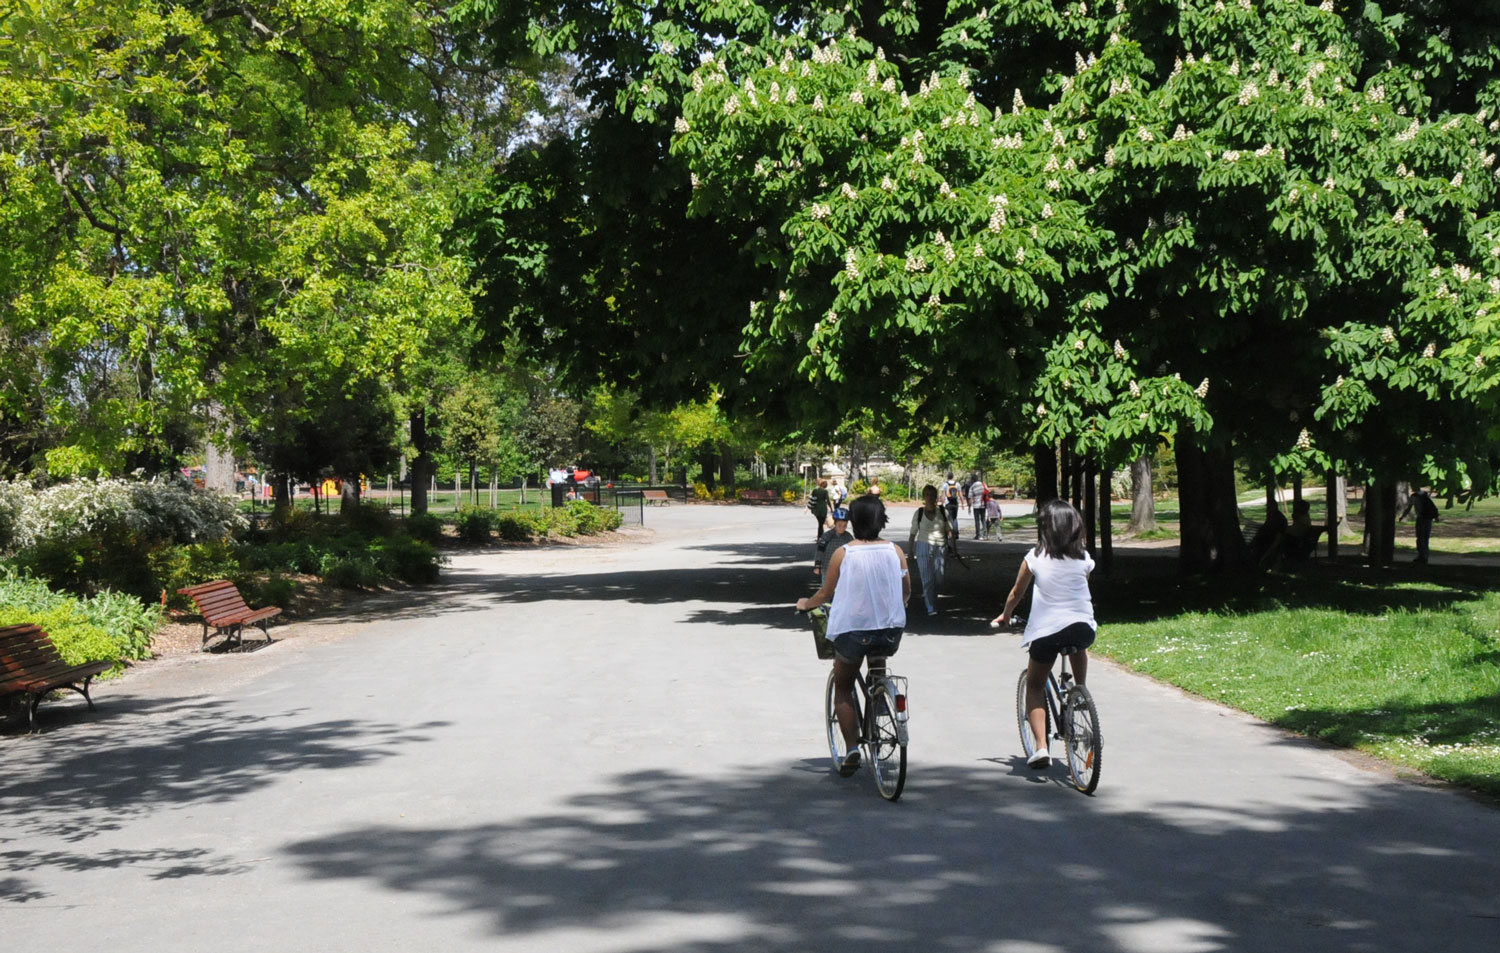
(24, 649)
(217, 600)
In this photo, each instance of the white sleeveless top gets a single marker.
(869, 590)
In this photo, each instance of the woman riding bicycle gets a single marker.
(869, 585)
(1062, 611)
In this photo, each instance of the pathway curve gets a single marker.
(618, 748)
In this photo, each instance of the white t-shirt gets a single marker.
(868, 595)
(1059, 594)
(933, 532)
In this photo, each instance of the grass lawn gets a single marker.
(1403, 665)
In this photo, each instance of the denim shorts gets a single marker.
(854, 647)
(1079, 635)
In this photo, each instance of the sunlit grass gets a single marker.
(1409, 672)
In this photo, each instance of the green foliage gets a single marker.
(350, 570)
(273, 590)
(474, 524)
(424, 527)
(190, 216)
(515, 527)
(106, 626)
(701, 491)
(1407, 672)
(592, 520)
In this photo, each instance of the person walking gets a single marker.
(817, 505)
(993, 525)
(978, 492)
(927, 543)
(953, 495)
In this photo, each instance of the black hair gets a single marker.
(1059, 530)
(867, 517)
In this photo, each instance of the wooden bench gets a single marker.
(654, 497)
(222, 607)
(760, 496)
(31, 665)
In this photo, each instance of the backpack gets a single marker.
(950, 492)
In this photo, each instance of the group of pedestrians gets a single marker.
(868, 582)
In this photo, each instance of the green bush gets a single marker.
(474, 524)
(350, 570)
(409, 560)
(592, 520)
(274, 590)
(515, 527)
(77, 639)
(125, 624)
(424, 526)
(370, 521)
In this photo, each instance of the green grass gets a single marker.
(1407, 670)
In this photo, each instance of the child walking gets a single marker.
(1062, 611)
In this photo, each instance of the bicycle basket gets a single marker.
(819, 618)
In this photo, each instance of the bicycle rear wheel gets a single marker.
(1085, 744)
(1028, 743)
(837, 749)
(886, 750)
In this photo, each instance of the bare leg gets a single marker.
(1079, 662)
(1036, 697)
(843, 701)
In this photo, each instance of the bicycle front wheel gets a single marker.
(1028, 742)
(1085, 744)
(885, 747)
(837, 748)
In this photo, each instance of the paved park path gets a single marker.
(618, 748)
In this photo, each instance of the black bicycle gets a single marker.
(1072, 718)
(880, 710)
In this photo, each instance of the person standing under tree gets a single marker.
(1427, 514)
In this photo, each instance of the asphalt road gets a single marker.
(618, 748)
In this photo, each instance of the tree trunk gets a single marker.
(1334, 498)
(281, 493)
(1341, 502)
(651, 475)
(726, 467)
(1380, 523)
(1044, 463)
(1211, 538)
(349, 496)
(421, 464)
(1142, 501)
(1106, 518)
(1089, 507)
(1296, 488)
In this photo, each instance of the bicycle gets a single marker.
(880, 709)
(1071, 717)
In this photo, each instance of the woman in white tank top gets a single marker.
(868, 582)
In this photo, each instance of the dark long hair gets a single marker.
(867, 517)
(1059, 530)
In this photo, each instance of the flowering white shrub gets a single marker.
(159, 512)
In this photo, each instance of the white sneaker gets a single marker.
(1039, 759)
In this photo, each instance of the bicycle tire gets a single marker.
(837, 749)
(1022, 725)
(884, 748)
(1084, 741)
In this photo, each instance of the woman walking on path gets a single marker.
(817, 505)
(930, 529)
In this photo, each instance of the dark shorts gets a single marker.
(1079, 635)
(855, 647)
